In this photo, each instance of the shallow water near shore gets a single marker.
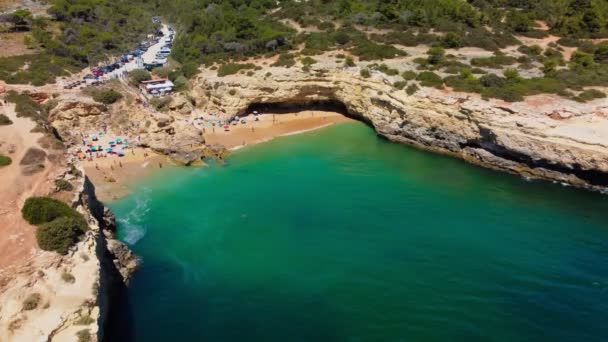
(339, 235)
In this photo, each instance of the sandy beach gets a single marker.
(112, 175)
(270, 126)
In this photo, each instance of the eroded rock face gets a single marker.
(162, 132)
(524, 138)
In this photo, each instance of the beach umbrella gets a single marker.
(121, 153)
(108, 150)
(255, 112)
(112, 143)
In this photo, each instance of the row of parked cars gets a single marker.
(161, 56)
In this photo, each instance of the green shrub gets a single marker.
(5, 160)
(308, 61)
(451, 40)
(32, 301)
(107, 96)
(161, 103)
(4, 120)
(286, 60)
(409, 75)
(436, 55)
(385, 69)
(492, 80)
(400, 84)
(63, 185)
(495, 62)
(59, 234)
(139, 75)
(365, 73)
(85, 320)
(68, 277)
(589, 95)
(368, 51)
(464, 82)
(349, 62)
(83, 335)
(38, 210)
(189, 69)
(411, 89)
(430, 79)
(180, 82)
(233, 68)
(601, 52)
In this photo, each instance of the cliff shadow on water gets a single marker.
(116, 315)
(292, 106)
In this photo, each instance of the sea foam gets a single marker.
(133, 227)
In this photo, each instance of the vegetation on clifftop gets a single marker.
(82, 32)
(59, 226)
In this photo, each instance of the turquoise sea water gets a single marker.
(337, 235)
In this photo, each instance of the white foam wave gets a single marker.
(133, 227)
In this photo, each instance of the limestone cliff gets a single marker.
(60, 297)
(75, 118)
(544, 137)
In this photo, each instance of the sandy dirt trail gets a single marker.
(17, 239)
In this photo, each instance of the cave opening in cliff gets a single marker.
(286, 107)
